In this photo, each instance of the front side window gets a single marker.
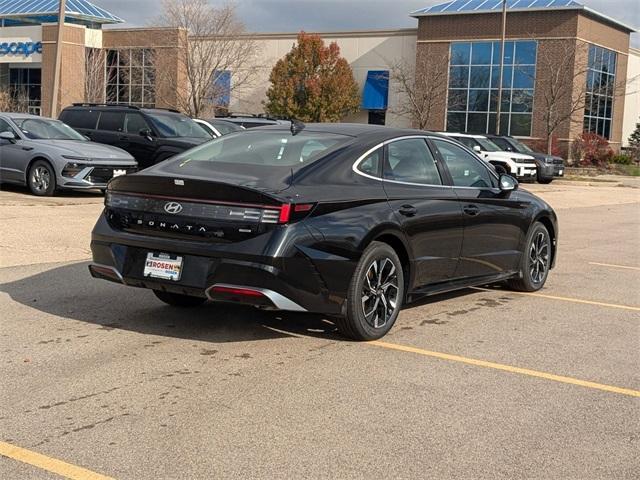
(601, 79)
(37, 128)
(474, 74)
(411, 161)
(5, 127)
(172, 125)
(134, 123)
(465, 169)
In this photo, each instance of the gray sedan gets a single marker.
(47, 154)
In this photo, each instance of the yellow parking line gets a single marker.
(49, 464)
(614, 266)
(507, 368)
(564, 299)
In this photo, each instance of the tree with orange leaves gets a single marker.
(312, 83)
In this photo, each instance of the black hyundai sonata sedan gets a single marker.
(351, 221)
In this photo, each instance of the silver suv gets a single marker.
(47, 154)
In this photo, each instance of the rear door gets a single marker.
(426, 208)
(110, 130)
(494, 220)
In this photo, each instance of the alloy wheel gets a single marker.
(539, 257)
(380, 292)
(40, 179)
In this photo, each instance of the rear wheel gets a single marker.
(179, 300)
(536, 261)
(375, 294)
(545, 180)
(41, 179)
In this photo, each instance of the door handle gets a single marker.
(408, 210)
(471, 210)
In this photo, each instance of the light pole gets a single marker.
(57, 67)
(502, 39)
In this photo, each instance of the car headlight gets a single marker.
(76, 158)
(71, 169)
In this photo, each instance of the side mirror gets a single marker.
(146, 132)
(8, 136)
(508, 183)
(477, 149)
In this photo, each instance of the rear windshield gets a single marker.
(176, 125)
(275, 148)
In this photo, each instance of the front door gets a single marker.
(14, 156)
(427, 210)
(141, 147)
(494, 223)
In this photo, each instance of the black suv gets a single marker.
(549, 166)
(150, 135)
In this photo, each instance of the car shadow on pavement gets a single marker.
(70, 292)
(23, 189)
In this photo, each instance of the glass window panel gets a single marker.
(480, 77)
(607, 108)
(149, 76)
(112, 58)
(600, 128)
(124, 58)
(459, 77)
(504, 124)
(507, 77)
(456, 122)
(587, 104)
(607, 129)
(477, 123)
(508, 52)
(505, 104)
(612, 62)
(460, 53)
(481, 53)
(35, 75)
(123, 94)
(149, 96)
(496, 53)
(493, 101)
(136, 76)
(149, 57)
(411, 161)
(591, 80)
(457, 100)
(520, 125)
(136, 93)
(112, 93)
(492, 123)
(523, 77)
(136, 58)
(602, 105)
(585, 124)
(478, 100)
(525, 53)
(522, 101)
(592, 57)
(466, 169)
(112, 76)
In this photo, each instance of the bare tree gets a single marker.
(420, 96)
(94, 84)
(563, 66)
(14, 99)
(218, 43)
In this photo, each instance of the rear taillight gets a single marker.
(236, 291)
(294, 212)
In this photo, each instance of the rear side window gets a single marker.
(411, 161)
(467, 142)
(370, 165)
(265, 148)
(111, 121)
(80, 118)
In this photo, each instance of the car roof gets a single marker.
(22, 115)
(464, 135)
(355, 130)
(124, 108)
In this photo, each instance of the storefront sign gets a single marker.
(25, 49)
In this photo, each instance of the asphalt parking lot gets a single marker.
(101, 380)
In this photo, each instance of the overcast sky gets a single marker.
(327, 15)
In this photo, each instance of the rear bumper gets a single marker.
(291, 279)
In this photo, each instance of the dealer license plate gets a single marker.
(119, 173)
(163, 265)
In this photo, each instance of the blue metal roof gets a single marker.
(42, 11)
(483, 6)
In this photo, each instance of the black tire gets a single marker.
(545, 180)
(500, 169)
(179, 300)
(41, 179)
(382, 301)
(535, 258)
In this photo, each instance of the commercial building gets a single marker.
(457, 40)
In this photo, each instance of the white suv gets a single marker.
(517, 164)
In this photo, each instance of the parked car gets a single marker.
(352, 221)
(549, 166)
(217, 128)
(46, 155)
(252, 121)
(151, 135)
(520, 166)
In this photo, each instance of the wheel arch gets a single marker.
(396, 241)
(502, 164)
(549, 224)
(35, 158)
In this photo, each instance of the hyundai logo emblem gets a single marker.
(172, 207)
